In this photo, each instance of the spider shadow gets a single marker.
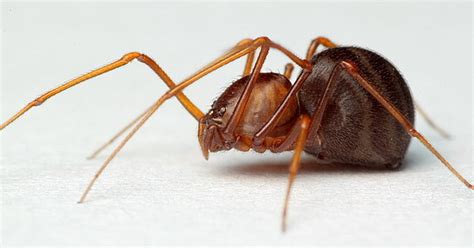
(309, 165)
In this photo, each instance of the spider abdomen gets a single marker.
(356, 128)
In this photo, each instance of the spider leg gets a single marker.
(303, 128)
(288, 70)
(430, 122)
(250, 56)
(401, 119)
(315, 43)
(118, 134)
(127, 58)
(239, 45)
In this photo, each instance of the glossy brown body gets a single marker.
(267, 95)
(356, 128)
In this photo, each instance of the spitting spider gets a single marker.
(348, 105)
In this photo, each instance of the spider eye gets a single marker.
(222, 110)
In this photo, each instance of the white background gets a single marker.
(160, 190)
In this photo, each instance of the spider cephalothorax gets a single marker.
(267, 94)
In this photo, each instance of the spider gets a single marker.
(348, 105)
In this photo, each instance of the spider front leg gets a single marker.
(127, 58)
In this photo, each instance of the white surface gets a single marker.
(160, 190)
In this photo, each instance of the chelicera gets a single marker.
(348, 105)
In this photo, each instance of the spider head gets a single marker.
(267, 94)
(210, 132)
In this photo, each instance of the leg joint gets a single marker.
(305, 121)
(348, 66)
(37, 102)
(262, 40)
(318, 39)
(324, 41)
(131, 56)
(412, 132)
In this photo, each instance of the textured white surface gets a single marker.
(160, 190)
